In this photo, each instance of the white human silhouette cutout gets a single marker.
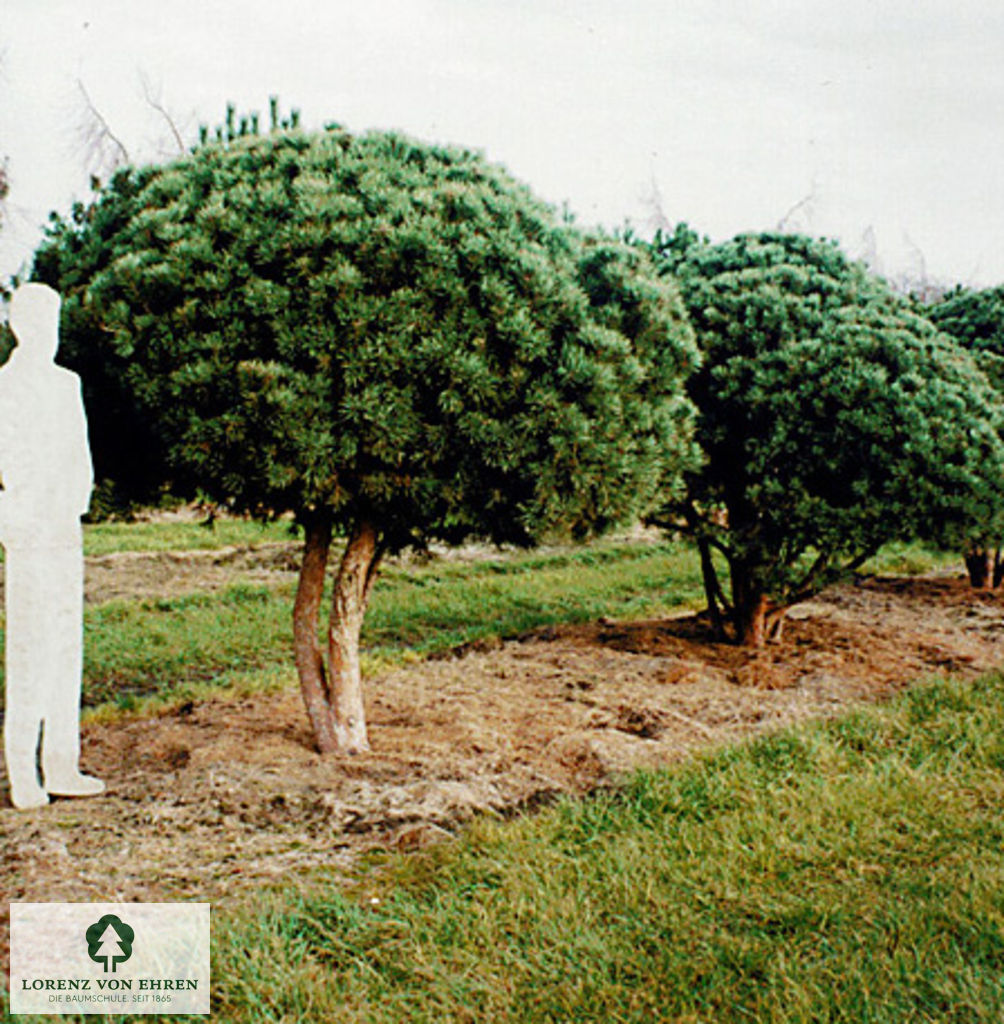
(45, 468)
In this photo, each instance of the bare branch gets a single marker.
(805, 203)
(918, 270)
(4, 173)
(869, 250)
(96, 135)
(4, 190)
(154, 100)
(820, 575)
(653, 202)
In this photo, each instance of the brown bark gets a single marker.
(306, 648)
(750, 606)
(351, 594)
(751, 624)
(998, 568)
(711, 588)
(980, 566)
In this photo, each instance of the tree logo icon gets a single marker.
(109, 941)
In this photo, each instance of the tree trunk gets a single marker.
(351, 594)
(751, 623)
(998, 568)
(980, 566)
(307, 649)
(710, 578)
(750, 606)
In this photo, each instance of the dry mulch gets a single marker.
(218, 797)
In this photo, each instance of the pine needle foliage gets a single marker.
(298, 321)
(833, 418)
(975, 319)
(391, 340)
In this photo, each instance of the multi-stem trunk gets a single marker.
(332, 693)
(348, 607)
(980, 566)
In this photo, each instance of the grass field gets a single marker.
(241, 637)
(851, 870)
(182, 534)
(847, 871)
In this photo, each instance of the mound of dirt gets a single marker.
(220, 796)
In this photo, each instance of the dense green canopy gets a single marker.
(975, 319)
(301, 321)
(833, 419)
(391, 340)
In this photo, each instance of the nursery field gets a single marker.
(761, 868)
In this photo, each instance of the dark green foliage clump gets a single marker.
(298, 321)
(392, 341)
(833, 418)
(975, 319)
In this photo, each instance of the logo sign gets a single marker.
(118, 958)
(110, 939)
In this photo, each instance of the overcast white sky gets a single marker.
(884, 113)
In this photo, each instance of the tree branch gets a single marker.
(813, 581)
(94, 138)
(155, 102)
(374, 568)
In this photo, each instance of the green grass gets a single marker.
(902, 558)
(241, 637)
(186, 535)
(844, 871)
(174, 647)
(851, 870)
(180, 535)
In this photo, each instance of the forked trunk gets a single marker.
(333, 694)
(306, 648)
(980, 566)
(348, 606)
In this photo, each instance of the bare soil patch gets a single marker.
(144, 575)
(138, 575)
(220, 796)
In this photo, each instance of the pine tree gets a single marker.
(833, 419)
(394, 341)
(975, 319)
